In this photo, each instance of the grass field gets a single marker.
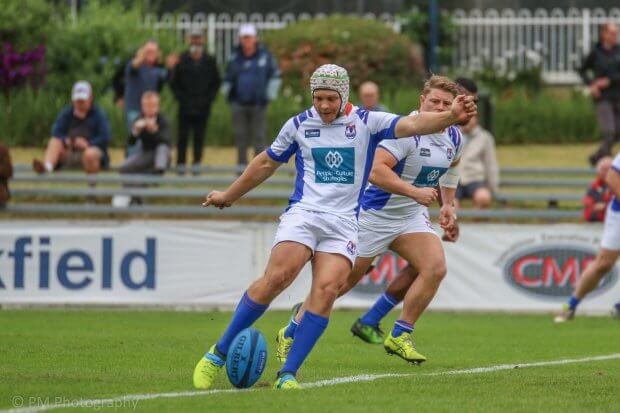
(67, 356)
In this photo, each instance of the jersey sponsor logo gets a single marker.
(312, 133)
(334, 165)
(349, 131)
(552, 270)
(438, 144)
(425, 152)
(429, 176)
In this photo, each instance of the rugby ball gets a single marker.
(246, 358)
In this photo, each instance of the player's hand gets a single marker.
(451, 234)
(447, 217)
(80, 143)
(463, 108)
(424, 196)
(217, 199)
(151, 125)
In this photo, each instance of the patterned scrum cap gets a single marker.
(331, 77)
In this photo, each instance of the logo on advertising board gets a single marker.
(386, 268)
(40, 263)
(551, 269)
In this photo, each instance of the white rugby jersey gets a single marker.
(333, 160)
(615, 202)
(421, 161)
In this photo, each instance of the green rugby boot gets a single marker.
(403, 347)
(286, 382)
(207, 369)
(368, 333)
(284, 345)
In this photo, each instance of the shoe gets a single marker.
(207, 368)
(566, 315)
(403, 347)
(286, 382)
(615, 313)
(295, 309)
(284, 345)
(38, 166)
(368, 333)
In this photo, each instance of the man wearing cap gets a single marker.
(334, 144)
(195, 82)
(252, 80)
(80, 135)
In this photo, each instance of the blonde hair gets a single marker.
(441, 83)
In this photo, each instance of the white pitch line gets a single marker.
(118, 401)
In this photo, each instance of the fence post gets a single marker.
(585, 27)
(211, 33)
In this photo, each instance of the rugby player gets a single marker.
(395, 216)
(333, 143)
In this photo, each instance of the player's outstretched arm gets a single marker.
(424, 123)
(384, 177)
(258, 170)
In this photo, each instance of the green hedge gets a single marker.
(26, 118)
(367, 48)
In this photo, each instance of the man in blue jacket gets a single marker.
(252, 80)
(80, 135)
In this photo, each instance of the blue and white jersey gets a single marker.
(333, 160)
(614, 206)
(422, 160)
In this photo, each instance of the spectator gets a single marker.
(152, 129)
(369, 97)
(195, 82)
(601, 72)
(80, 135)
(478, 167)
(252, 80)
(599, 195)
(143, 74)
(6, 172)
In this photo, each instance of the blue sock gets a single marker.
(310, 329)
(573, 302)
(380, 308)
(246, 313)
(291, 328)
(401, 327)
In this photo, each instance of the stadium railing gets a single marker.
(519, 185)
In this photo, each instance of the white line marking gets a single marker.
(123, 401)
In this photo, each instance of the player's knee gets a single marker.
(483, 198)
(279, 278)
(437, 270)
(329, 291)
(604, 265)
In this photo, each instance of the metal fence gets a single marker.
(511, 40)
(221, 29)
(506, 40)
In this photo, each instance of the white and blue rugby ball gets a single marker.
(246, 358)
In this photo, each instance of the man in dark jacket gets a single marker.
(80, 135)
(601, 72)
(252, 80)
(195, 82)
(153, 132)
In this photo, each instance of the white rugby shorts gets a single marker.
(611, 230)
(376, 233)
(319, 231)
